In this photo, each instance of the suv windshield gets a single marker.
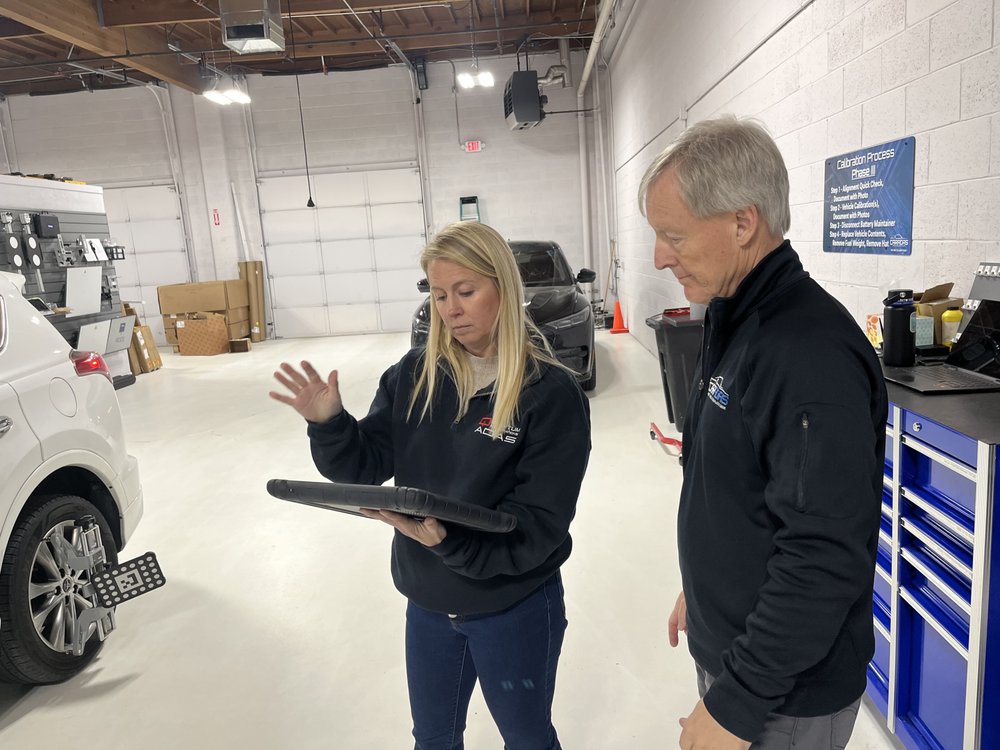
(541, 264)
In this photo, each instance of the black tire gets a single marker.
(25, 656)
(591, 383)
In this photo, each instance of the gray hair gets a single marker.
(724, 165)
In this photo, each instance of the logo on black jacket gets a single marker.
(510, 435)
(717, 393)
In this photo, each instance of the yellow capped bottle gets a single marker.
(950, 320)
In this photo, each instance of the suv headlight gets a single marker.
(576, 319)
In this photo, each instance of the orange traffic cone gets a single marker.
(618, 326)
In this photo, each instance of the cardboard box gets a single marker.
(237, 320)
(239, 346)
(252, 272)
(934, 301)
(205, 295)
(203, 336)
(133, 360)
(145, 349)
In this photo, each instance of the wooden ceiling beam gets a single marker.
(156, 12)
(13, 30)
(75, 21)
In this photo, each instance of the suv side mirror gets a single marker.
(586, 276)
(423, 286)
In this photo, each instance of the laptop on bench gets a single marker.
(972, 366)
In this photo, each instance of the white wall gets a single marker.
(844, 74)
(528, 182)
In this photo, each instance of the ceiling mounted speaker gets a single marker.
(250, 26)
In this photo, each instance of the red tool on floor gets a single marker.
(656, 434)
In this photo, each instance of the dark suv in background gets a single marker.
(553, 300)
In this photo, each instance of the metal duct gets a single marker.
(250, 26)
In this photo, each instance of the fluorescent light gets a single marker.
(234, 94)
(485, 79)
(466, 80)
(213, 95)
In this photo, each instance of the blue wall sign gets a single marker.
(868, 200)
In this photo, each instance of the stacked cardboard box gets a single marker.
(180, 302)
(143, 355)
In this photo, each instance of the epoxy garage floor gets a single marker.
(279, 626)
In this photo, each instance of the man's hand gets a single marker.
(702, 732)
(678, 620)
(430, 532)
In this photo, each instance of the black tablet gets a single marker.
(349, 498)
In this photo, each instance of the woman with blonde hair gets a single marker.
(486, 415)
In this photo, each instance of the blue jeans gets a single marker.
(513, 654)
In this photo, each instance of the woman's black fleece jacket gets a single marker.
(778, 524)
(534, 471)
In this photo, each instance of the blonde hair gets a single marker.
(724, 165)
(520, 346)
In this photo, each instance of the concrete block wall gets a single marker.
(528, 181)
(841, 75)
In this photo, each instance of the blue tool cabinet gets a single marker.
(935, 676)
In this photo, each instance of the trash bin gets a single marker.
(678, 340)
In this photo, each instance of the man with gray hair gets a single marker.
(784, 444)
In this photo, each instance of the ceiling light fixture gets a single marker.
(235, 94)
(214, 94)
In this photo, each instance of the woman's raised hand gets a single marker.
(317, 400)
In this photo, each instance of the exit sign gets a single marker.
(472, 147)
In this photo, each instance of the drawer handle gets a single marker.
(929, 619)
(927, 507)
(957, 598)
(926, 538)
(938, 457)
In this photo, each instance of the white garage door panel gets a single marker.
(397, 220)
(166, 268)
(355, 256)
(282, 193)
(399, 252)
(353, 318)
(119, 231)
(151, 203)
(282, 227)
(348, 255)
(128, 271)
(300, 322)
(129, 293)
(345, 189)
(399, 285)
(298, 291)
(157, 236)
(115, 206)
(395, 186)
(156, 326)
(296, 259)
(150, 308)
(350, 288)
(397, 316)
(342, 223)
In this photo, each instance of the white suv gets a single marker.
(64, 471)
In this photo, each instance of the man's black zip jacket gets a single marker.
(534, 471)
(779, 514)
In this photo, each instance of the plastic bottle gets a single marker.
(950, 320)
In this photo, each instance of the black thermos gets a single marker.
(899, 329)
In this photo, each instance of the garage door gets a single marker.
(147, 221)
(351, 264)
